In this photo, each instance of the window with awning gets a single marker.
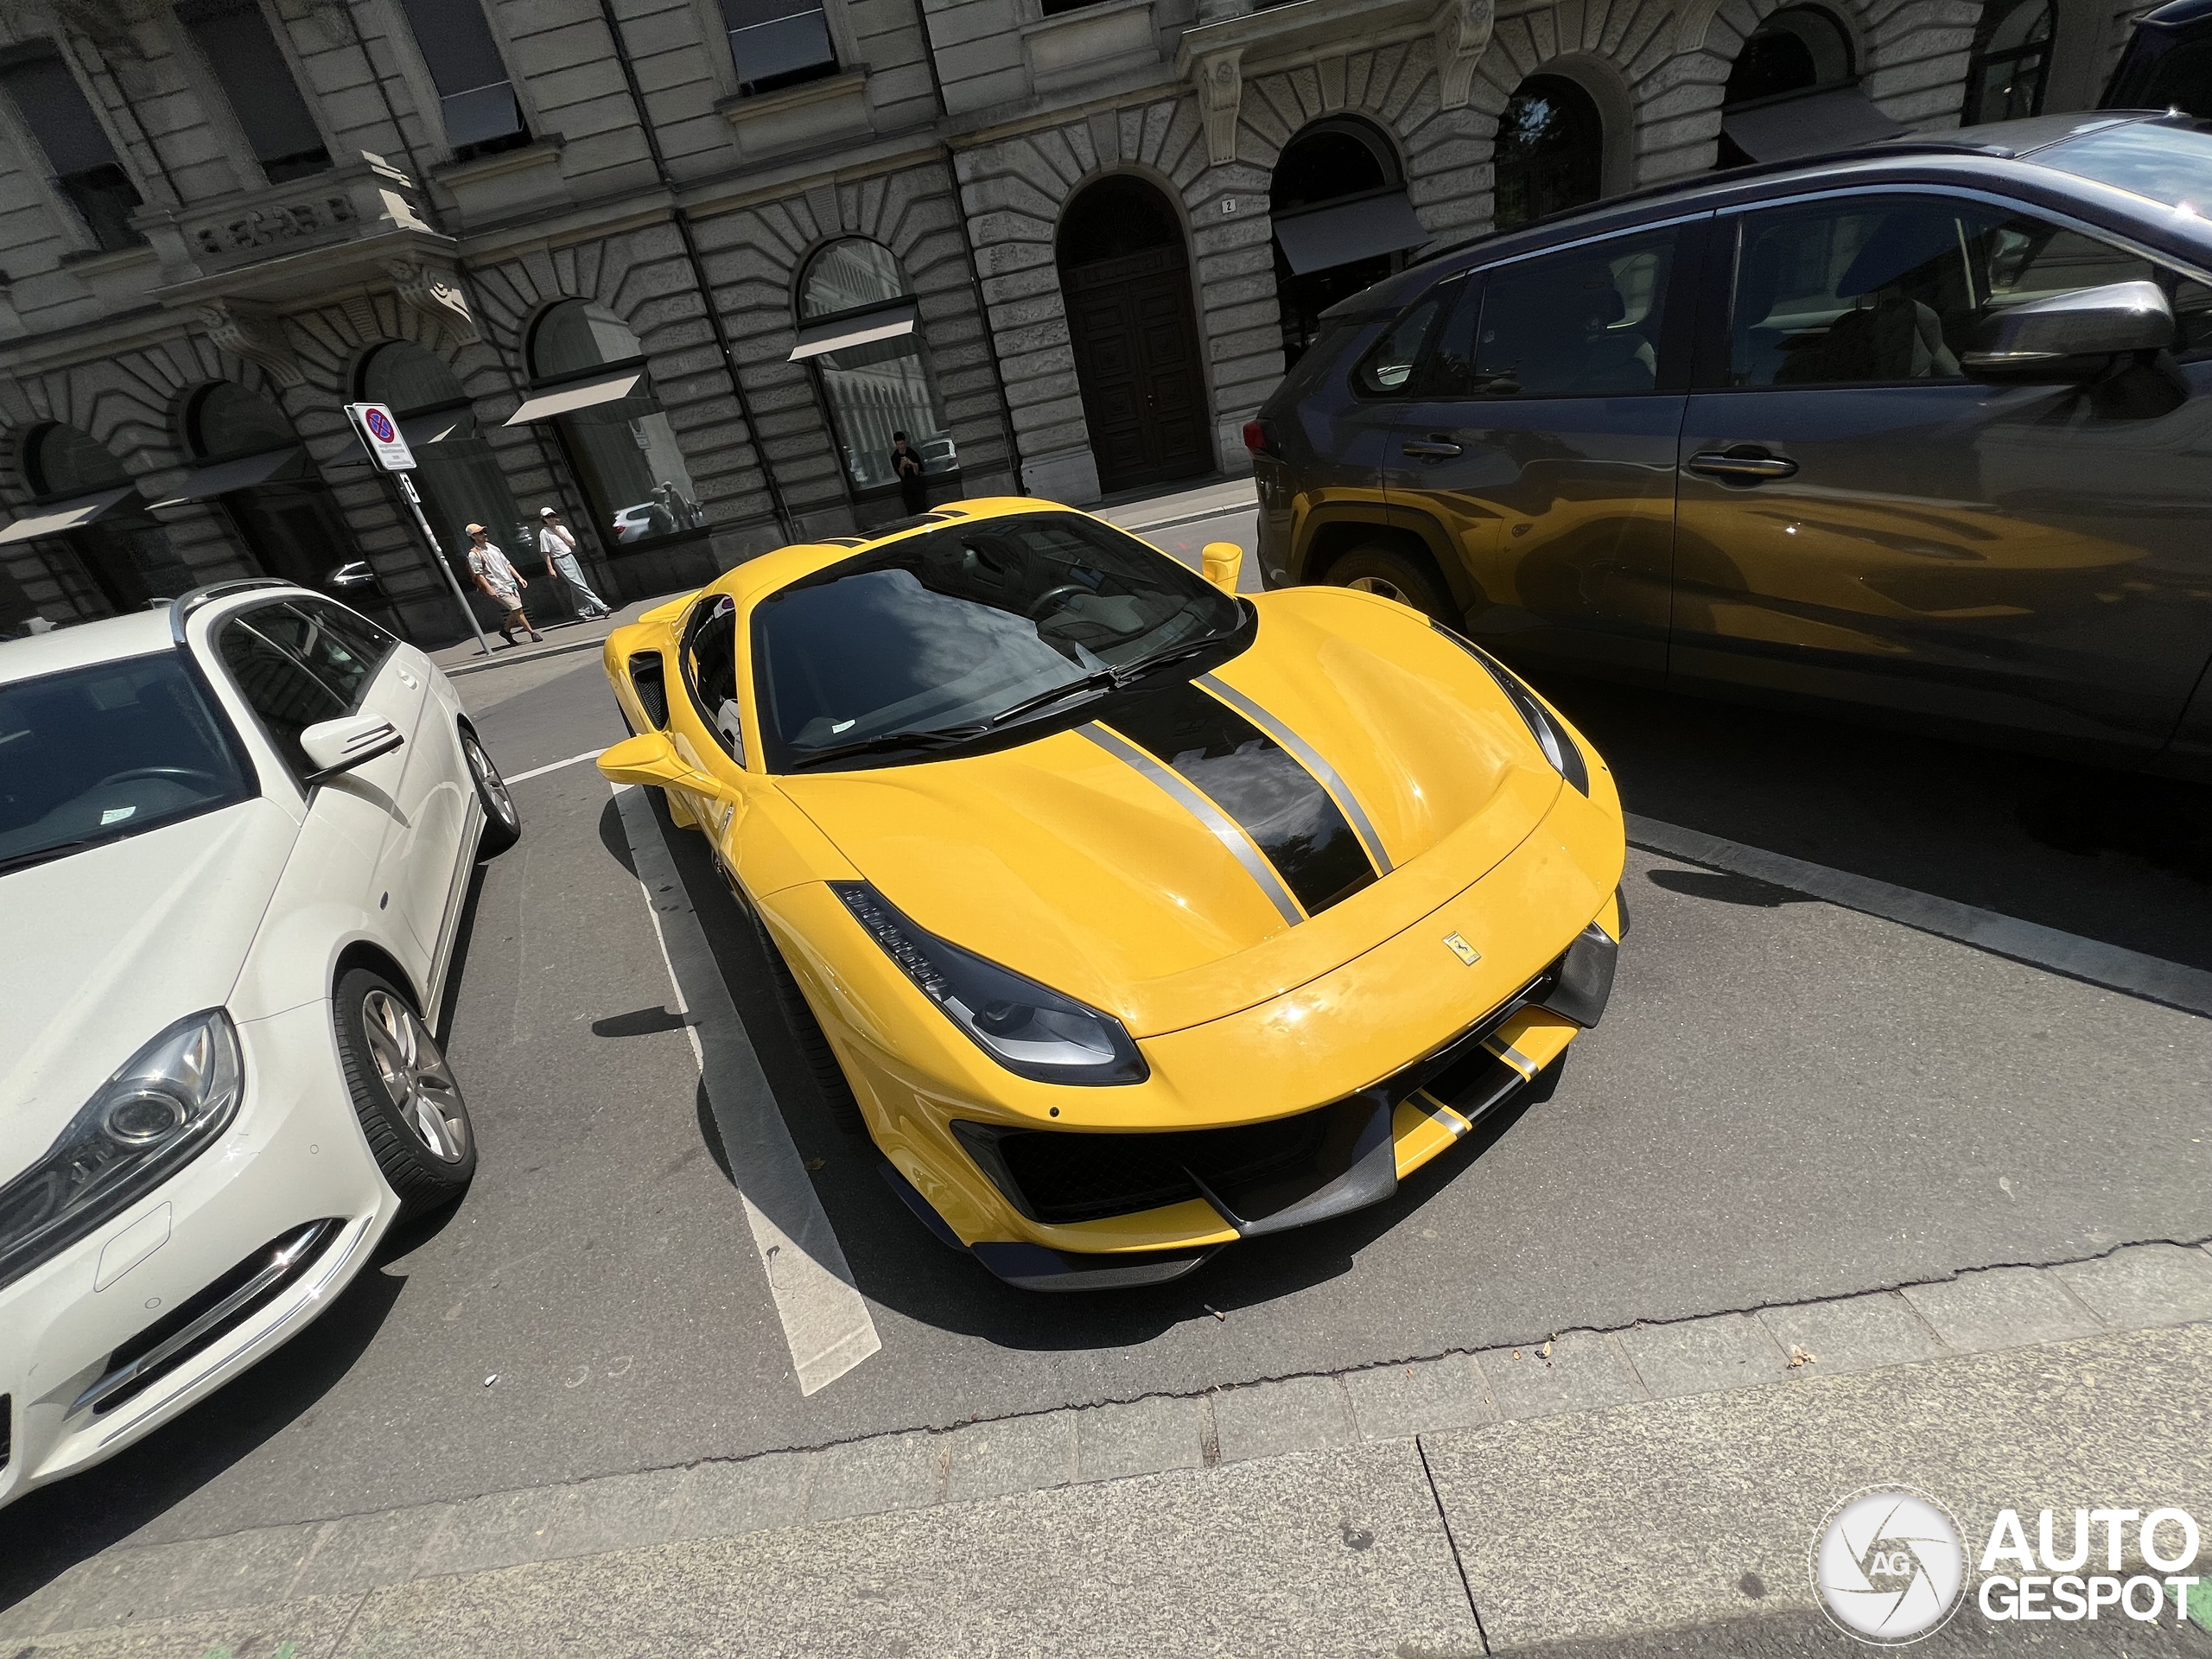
(859, 328)
(1342, 220)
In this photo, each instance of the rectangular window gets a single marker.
(60, 118)
(476, 100)
(235, 38)
(777, 43)
(1582, 324)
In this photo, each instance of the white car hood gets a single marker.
(107, 946)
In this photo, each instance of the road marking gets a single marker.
(2138, 974)
(826, 1322)
(539, 772)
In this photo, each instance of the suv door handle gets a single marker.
(1436, 445)
(1746, 463)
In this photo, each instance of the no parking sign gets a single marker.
(381, 433)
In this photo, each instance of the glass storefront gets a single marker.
(873, 387)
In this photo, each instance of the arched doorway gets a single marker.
(252, 465)
(457, 474)
(123, 553)
(1550, 151)
(1127, 281)
(2012, 58)
(1342, 221)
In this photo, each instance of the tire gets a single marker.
(1386, 571)
(403, 1092)
(807, 1035)
(502, 821)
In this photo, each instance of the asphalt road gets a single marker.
(1786, 1100)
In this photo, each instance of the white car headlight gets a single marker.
(161, 1109)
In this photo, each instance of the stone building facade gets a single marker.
(677, 267)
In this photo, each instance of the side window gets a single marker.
(340, 649)
(1388, 367)
(2022, 259)
(710, 668)
(285, 697)
(1581, 324)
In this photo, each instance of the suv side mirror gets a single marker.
(336, 746)
(2070, 337)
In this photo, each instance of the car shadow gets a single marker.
(48, 1531)
(896, 1262)
(2125, 858)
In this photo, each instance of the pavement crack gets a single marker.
(1443, 1520)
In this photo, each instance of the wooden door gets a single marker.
(1136, 359)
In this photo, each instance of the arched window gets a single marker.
(857, 326)
(1793, 91)
(457, 474)
(225, 420)
(1337, 200)
(123, 560)
(2011, 57)
(258, 474)
(587, 374)
(1797, 49)
(1550, 153)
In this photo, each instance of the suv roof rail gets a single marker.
(183, 607)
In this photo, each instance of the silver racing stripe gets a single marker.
(1225, 829)
(1311, 759)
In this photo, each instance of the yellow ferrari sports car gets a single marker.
(1128, 917)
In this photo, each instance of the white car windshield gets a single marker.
(92, 754)
(967, 627)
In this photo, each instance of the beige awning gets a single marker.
(227, 475)
(583, 394)
(838, 333)
(64, 515)
(1349, 231)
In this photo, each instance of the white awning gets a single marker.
(227, 475)
(1796, 127)
(1349, 231)
(64, 515)
(835, 336)
(583, 394)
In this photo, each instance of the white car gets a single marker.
(236, 838)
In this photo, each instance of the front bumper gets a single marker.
(133, 1325)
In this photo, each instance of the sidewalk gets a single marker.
(1599, 1488)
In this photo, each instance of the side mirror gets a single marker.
(1223, 559)
(357, 577)
(2070, 337)
(336, 746)
(650, 759)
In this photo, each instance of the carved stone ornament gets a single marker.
(426, 292)
(1463, 29)
(1220, 77)
(256, 339)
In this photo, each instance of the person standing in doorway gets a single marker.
(906, 462)
(501, 583)
(558, 544)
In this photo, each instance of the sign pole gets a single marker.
(438, 559)
(387, 451)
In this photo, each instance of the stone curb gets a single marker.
(2138, 1287)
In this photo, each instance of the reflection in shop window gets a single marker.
(621, 445)
(859, 327)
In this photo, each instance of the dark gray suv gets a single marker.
(1927, 427)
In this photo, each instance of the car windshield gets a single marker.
(93, 754)
(2169, 165)
(943, 631)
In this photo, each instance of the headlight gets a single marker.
(1030, 1029)
(174, 1097)
(1553, 739)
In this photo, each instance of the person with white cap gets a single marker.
(501, 582)
(558, 544)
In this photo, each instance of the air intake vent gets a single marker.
(647, 680)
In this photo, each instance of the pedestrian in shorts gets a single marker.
(501, 582)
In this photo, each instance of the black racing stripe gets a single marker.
(1258, 782)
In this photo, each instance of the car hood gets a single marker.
(1066, 862)
(109, 946)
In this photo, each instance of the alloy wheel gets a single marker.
(493, 786)
(1381, 585)
(416, 1075)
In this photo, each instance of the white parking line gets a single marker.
(826, 1322)
(555, 765)
(2152, 978)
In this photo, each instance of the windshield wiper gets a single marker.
(1168, 654)
(1099, 679)
(926, 737)
(40, 855)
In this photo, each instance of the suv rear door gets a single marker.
(1538, 443)
(1859, 520)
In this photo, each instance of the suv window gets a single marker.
(710, 670)
(284, 694)
(1877, 290)
(1387, 370)
(1581, 324)
(341, 649)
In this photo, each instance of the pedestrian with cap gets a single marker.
(501, 582)
(558, 544)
